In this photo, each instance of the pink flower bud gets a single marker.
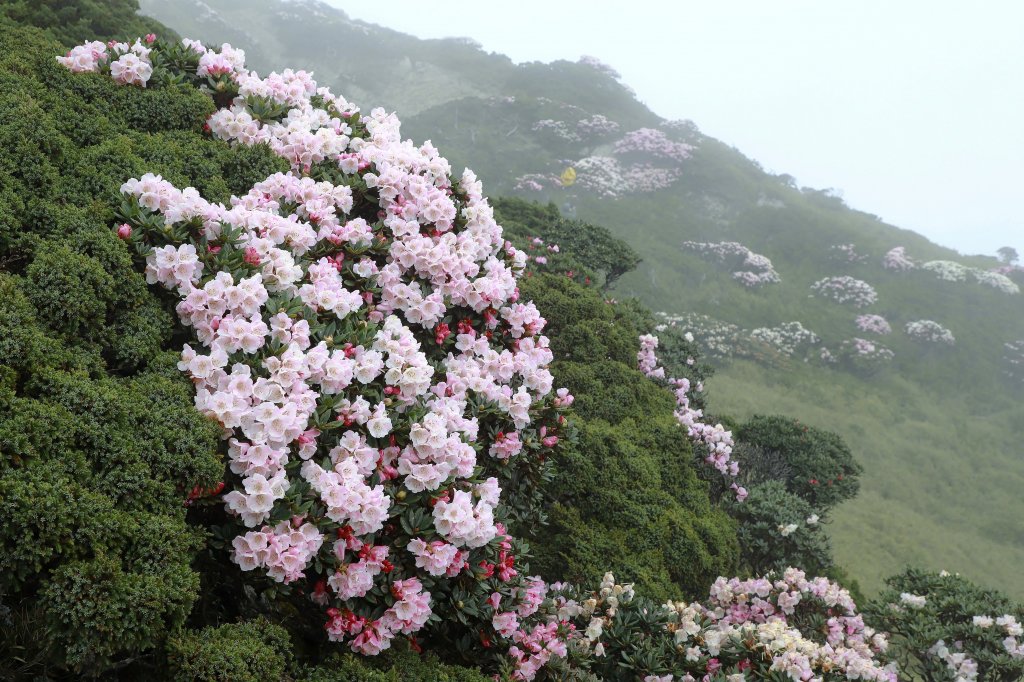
(150, 38)
(252, 257)
(124, 231)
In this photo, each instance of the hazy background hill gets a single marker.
(939, 431)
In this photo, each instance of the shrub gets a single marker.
(944, 627)
(626, 495)
(253, 651)
(777, 529)
(822, 470)
(100, 443)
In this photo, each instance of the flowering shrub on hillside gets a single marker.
(947, 270)
(943, 627)
(534, 182)
(863, 355)
(951, 271)
(752, 269)
(845, 253)
(651, 142)
(874, 324)
(557, 129)
(596, 127)
(929, 331)
(608, 177)
(996, 280)
(846, 289)
(599, 66)
(771, 345)
(897, 259)
(781, 626)
(790, 338)
(361, 344)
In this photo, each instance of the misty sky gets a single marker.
(913, 109)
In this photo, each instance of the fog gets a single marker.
(912, 110)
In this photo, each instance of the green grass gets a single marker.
(918, 505)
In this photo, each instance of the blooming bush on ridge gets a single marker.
(931, 332)
(753, 269)
(361, 344)
(845, 289)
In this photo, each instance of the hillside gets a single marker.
(938, 429)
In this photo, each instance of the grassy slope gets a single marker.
(940, 436)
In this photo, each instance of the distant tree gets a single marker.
(1008, 255)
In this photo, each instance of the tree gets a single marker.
(1008, 255)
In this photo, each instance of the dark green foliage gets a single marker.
(763, 547)
(583, 247)
(75, 21)
(99, 441)
(821, 467)
(254, 651)
(627, 498)
(398, 664)
(951, 604)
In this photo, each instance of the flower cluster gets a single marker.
(996, 280)
(359, 339)
(873, 324)
(846, 253)
(863, 355)
(951, 271)
(607, 177)
(947, 270)
(596, 127)
(716, 439)
(962, 668)
(534, 182)
(651, 142)
(752, 269)
(775, 627)
(558, 129)
(722, 340)
(897, 259)
(929, 331)
(846, 289)
(126, 64)
(1010, 627)
(789, 338)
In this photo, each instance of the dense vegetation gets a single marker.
(912, 422)
(114, 556)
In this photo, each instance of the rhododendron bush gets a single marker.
(875, 324)
(930, 332)
(946, 628)
(752, 269)
(845, 289)
(358, 337)
(778, 627)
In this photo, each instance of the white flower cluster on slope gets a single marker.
(845, 289)
(752, 269)
(929, 331)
